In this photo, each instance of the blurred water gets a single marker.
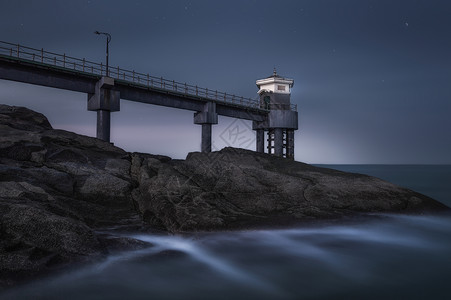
(386, 257)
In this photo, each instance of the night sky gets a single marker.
(372, 78)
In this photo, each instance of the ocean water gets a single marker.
(431, 180)
(385, 257)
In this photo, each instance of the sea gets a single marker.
(381, 257)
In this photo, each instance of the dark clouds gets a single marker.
(371, 77)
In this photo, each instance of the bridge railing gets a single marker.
(180, 87)
(53, 59)
(136, 78)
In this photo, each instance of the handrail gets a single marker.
(129, 76)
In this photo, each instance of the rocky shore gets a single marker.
(62, 194)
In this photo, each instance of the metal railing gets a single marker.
(132, 77)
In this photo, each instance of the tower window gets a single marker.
(266, 101)
(281, 88)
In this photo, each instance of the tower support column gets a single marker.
(290, 144)
(260, 140)
(270, 142)
(278, 141)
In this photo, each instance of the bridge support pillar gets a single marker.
(206, 138)
(103, 124)
(278, 141)
(260, 140)
(104, 100)
(206, 118)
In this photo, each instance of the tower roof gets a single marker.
(275, 78)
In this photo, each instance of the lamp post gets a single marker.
(108, 40)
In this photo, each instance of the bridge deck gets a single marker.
(34, 66)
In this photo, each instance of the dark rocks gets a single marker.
(236, 188)
(56, 189)
(61, 193)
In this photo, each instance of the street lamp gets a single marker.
(108, 40)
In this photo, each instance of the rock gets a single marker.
(62, 194)
(236, 188)
(57, 189)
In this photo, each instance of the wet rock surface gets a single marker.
(60, 191)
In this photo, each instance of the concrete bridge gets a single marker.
(272, 113)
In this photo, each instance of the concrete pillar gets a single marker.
(206, 138)
(206, 118)
(278, 141)
(270, 141)
(104, 100)
(260, 140)
(290, 144)
(103, 125)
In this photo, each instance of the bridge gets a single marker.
(105, 87)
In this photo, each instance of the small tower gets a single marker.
(282, 118)
(275, 91)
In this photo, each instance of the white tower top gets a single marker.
(275, 84)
